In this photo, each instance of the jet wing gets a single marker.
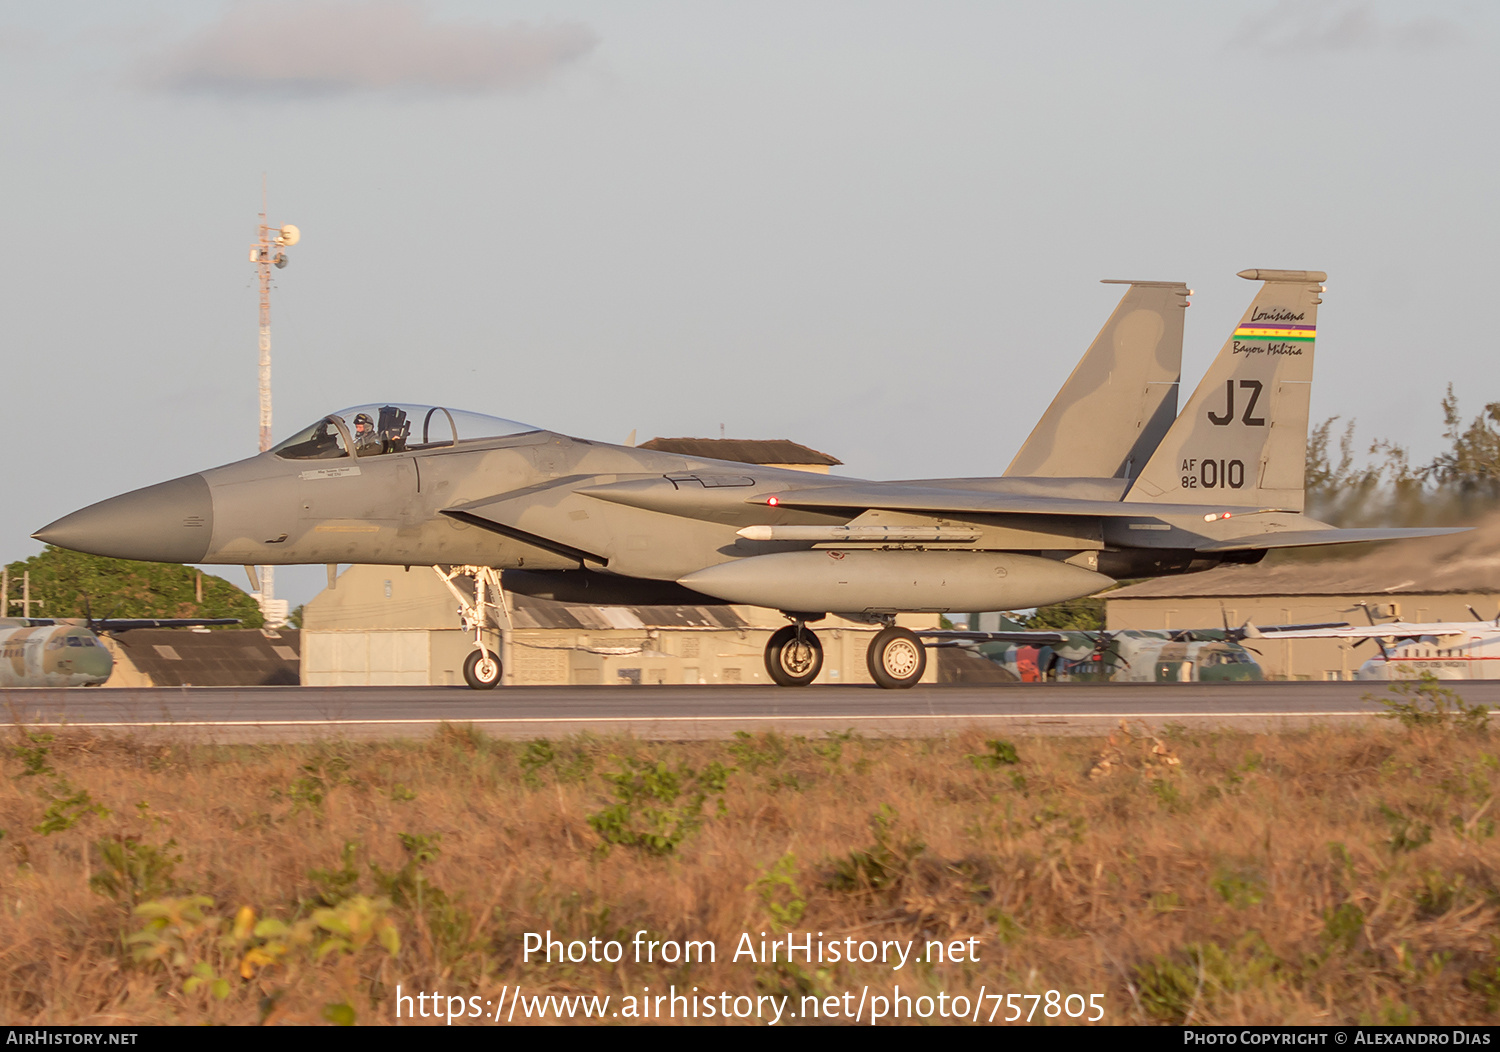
(900, 497)
(735, 498)
(888, 496)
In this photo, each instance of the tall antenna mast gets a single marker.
(265, 254)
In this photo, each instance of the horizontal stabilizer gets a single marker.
(1309, 538)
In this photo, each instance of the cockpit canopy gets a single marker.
(377, 430)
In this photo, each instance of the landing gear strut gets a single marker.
(486, 615)
(896, 658)
(794, 656)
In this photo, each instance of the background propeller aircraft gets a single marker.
(43, 652)
(577, 520)
(1183, 655)
(1408, 650)
(1128, 656)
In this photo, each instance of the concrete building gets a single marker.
(386, 625)
(1431, 579)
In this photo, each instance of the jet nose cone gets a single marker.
(169, 523)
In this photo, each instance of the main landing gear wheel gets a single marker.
(482, 670)
(897, 658)
(794, 659)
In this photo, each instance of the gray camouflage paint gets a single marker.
(550, 504)
(1121, 397)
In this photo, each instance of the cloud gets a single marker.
(339, 48)
(1295, 25)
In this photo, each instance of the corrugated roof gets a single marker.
(174, 657)
(1460, 562)
(742, 450)
(530, 612)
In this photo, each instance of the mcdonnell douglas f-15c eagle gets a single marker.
(1103, 489)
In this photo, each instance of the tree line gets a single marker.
(1385, 487)
(71, 584)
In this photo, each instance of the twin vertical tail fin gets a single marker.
(1242, 440)
(1121, 397)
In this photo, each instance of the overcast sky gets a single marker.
(875, 228)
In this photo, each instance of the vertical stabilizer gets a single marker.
(1242, 440)
(1121, 397)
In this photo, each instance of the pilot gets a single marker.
(366, 438)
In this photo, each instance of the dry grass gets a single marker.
(1336, 876)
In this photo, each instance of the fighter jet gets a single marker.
(583, 521)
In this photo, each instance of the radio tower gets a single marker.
(265, 254)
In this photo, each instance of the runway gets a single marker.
(245, 714)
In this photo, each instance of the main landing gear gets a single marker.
(794, 657)
(896, 658)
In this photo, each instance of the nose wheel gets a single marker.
(896, 658)
(482, 670)
(794, 656)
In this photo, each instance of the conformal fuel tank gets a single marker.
(870, 581)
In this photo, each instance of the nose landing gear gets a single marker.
(485, 614)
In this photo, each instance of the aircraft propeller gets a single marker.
(1102, 641)
(1478, 618)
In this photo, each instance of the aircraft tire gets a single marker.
(482, 670)
(896, 658)
(791, 664)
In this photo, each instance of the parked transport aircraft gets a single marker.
(1125, 656)
(1408, 650)
(43, 652)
